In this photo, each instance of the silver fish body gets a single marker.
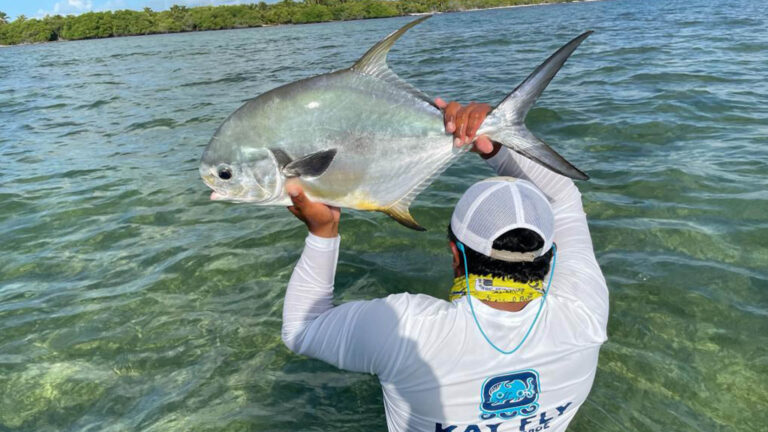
(359, 138)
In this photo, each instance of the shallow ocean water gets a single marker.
(129, 301)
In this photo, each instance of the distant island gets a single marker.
(94, 25)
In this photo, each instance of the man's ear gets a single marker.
(456, 263)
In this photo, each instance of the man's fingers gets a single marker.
(305, 209)
(297, 195)
(476, 118)
(336, 212)
(464, 122)
(294, 211)
(473, 123)
(461, 122)
(450, 116)
(483, 144)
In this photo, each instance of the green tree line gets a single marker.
(93, 25)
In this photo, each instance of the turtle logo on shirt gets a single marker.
(511, 394)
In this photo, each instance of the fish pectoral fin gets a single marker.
(281, 157)
(311, 165)
(402, 214)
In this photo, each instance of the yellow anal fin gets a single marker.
(401, 214)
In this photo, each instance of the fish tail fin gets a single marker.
(506, 123)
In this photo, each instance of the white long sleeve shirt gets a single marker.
(437, 371)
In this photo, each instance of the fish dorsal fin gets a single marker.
(374, 62)
(376, 57)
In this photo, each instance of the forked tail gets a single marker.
(506, 123)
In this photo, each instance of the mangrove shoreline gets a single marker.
(181, 19)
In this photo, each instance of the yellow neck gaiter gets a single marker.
(496, 289)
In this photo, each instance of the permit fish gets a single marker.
(361, 137)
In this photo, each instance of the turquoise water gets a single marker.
(129, 301)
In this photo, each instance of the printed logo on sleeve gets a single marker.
(510, 395)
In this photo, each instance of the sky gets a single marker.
(40, 8)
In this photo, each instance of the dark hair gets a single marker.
(516, 240)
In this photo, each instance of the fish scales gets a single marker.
(385, 146)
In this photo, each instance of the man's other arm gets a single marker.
(576, 270)
(360, 336)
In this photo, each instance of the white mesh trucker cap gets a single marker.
(496, 205)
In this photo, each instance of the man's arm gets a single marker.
(359, 336)
(577, 272)
(578, 276)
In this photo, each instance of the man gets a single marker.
(515, 349)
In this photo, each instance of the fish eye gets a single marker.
(225, 173)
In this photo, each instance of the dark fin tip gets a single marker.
(312, 165)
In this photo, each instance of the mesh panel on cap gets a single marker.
(460, 212)
(538, 212)
(496, 209)
(494, 206)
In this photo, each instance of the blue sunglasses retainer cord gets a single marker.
(460, 246)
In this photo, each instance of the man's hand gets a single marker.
(322, 220)
(463, 122)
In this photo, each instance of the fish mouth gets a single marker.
(215, 196)
(218, 196)
(210, 181)
(232, 196)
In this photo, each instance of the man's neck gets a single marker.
(507, 306)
